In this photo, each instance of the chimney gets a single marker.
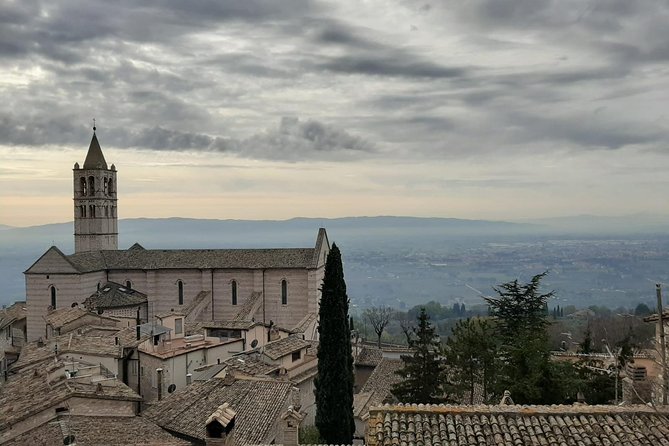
(290, 426)
(189, 379)
(219, 426)
(160, 383)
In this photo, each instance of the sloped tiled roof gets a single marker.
(114, 295)
(369, 356)
(63, 316)
(282, 347)
(99, 431)
(377, 388)
(31, 392)
(33, 353)
(14, 312)
(149, 259)
(517, 425)
(258, 405)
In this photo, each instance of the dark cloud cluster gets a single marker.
(449, 78)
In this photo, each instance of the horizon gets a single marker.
(516, 221)
(480, 109)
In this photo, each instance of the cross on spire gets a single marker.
(94, 124)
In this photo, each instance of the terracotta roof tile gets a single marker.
(14, 312)
(517, 425)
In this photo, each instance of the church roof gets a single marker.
(94, 158)
(151, 259)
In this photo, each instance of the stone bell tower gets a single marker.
(95, 218)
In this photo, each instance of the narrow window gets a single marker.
(98, 286)
(284, 292)
(91, 185)
(82, 211)
(180, 285)
(106, 211)
(128, 285)
(178, 326)
(91, 209)
(106, 190)
(110, 189)
(53, 296)
(233, 287)
(84, 187)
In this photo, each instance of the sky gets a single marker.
(491, 109)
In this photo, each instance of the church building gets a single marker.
(273, 286)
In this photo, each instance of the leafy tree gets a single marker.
(334, 382)
(471, 354)
(379, 317)
(521, 321)
(423, 372)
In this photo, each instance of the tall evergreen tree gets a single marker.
(334, 382)
(521, 321)
(423, 372)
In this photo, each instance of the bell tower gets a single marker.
(95, 218)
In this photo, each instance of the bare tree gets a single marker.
(379, 317)
(406, 325)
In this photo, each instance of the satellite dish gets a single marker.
(171, 388)
(254, 343)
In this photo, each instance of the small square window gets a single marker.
(297, 355)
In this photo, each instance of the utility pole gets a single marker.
(663, 348)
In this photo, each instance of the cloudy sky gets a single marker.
(498, 109)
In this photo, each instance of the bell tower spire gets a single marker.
(95, 217)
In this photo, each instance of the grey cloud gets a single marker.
(401, 65)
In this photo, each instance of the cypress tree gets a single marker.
(334, 382)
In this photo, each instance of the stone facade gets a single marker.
(287, 280)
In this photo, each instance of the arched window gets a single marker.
(53, 296)
(84, 187)
(82, 211)
(128, 285)
(233, 289)
(110, 188)
(180, 286)
(105, 187)
(91, 185)
(91, 209)
(284, 292)
(98, 286)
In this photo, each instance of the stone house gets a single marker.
(12, 335)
